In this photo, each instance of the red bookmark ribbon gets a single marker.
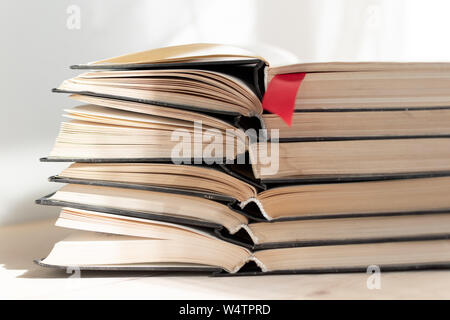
(281, 94)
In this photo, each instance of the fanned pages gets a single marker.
(261, 235)
(201, 89)
(182, 53)
(109, 130)
(88, 249)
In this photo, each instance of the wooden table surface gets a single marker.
(21, 278)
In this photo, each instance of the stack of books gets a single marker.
(177, 165)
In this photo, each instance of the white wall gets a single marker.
(37, 48)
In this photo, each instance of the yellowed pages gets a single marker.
(182, 53)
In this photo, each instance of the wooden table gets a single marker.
(21, 278)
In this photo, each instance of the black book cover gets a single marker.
(242, 238)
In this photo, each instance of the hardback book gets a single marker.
(211, 78)
(108, 129)
(139, 244)
(98, 116)
(208, 77)
(360, 125)
(335, 160)
(265, 162)
(370, 85)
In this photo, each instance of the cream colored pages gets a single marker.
(153, 110)
(83, 248)
(355, 255)
(182, 53)
(366, 157)
(360, 66)
(169, 175)
(153, 203)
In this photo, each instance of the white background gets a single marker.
(37, 48)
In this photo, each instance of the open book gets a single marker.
(172, 75)
(289, 162)
(137, 244)
(112, 130)
(202, 77)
